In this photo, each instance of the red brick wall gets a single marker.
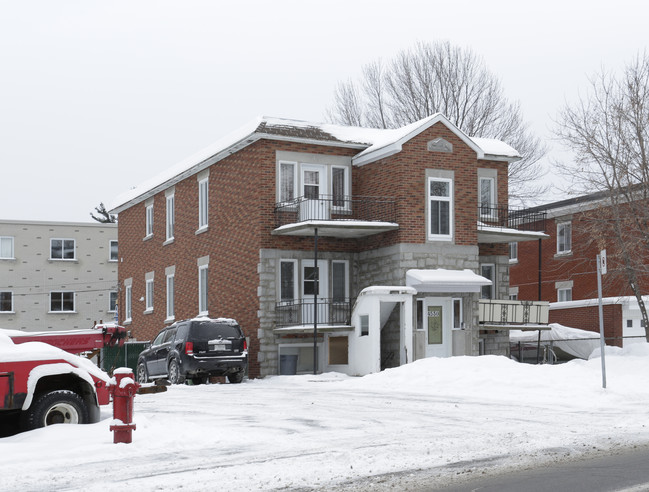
(587, 318)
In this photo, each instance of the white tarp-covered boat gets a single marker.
(572, 341)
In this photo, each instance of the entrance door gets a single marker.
(309, 291)
(437, 326)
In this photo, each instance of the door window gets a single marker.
(435, 325)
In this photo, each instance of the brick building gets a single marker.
(377, 242)
(563, 269)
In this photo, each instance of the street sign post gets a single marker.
(601, 270)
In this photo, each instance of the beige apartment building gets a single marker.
(57, 275)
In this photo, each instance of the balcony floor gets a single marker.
(335, 228)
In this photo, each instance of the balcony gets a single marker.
(299, 314)
(498, 224)
(335, 216)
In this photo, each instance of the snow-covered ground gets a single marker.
(452, 417)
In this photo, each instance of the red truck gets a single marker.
(42, 382)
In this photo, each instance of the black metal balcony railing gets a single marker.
(335, 207)
(301, 312)
(505, 217)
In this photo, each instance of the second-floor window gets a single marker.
(287, 280)
(6, 302)
(62, 302)
(440, 208)
(513, 252)
(287, 179)
(487, 197)
(62, 249)
(6, 247)
(488, 271)
(170, 297)
(564, 237)
(149, 295)
(128, 303)
(114, 252)
(202, 289)
(202, 203)
(564, 295)
(171, 216)
(149, 220)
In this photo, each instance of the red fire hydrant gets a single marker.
(123, 392)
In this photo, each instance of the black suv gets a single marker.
(194, 350)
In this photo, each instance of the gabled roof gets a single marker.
(373, 144)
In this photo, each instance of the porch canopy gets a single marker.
(442, 280)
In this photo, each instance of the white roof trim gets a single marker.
(442, 280)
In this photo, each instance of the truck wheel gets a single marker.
(235, 378)
(175, 377)
(142, 376)
(57, 407)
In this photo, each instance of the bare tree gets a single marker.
(608, 132)
(439, 77)
(103, 216)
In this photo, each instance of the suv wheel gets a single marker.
(142, 376)
(175, 377)
(235, 378)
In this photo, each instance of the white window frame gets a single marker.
(148, 220)
(63, 249)
(110, 250)
(203, 204)
(513, 252)
(111, 294)
(345, 263)
(10, 311)
(564, 246)
(346, 190)
(293, 172)
(457, 323)
(564, 292)
(170, 283)
(295, 281)
(203, 290)
(492, 287)
(490, 206)
(419, 315)
(450, 199)
(74, 301)
(128, 303)
(10, 240)
(148, 295)
(170, 217)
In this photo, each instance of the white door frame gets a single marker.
(323, 292)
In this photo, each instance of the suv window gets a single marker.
(158, 339)
(203, 331)
(169, 335)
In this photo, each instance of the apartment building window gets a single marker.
(114, 252)
(6, 302)
(203, 203)
(62, 249)
(170, 297)
(6, 248)
(340, 187)
(339, 281)
(128, 303)
(419, 315)
(148, 294)
(364, 321)
(171, 216)
(440, 208)
(488, 272)
(564, 237)
(149, 220)
(202, 289)
(61, 302)
(287, 280)
(287, 181)
(112, 301)
(487, 197)
(513, 252)
(458, 318)
(564, 294)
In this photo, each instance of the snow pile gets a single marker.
(314, 432)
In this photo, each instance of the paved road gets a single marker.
(626, 471)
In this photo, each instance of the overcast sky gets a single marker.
(98, 96)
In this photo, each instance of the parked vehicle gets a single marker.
(44, 383)
(196, 350)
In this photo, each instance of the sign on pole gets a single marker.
(602, 261)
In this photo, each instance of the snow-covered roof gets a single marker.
(373, 144)
(442, 280)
